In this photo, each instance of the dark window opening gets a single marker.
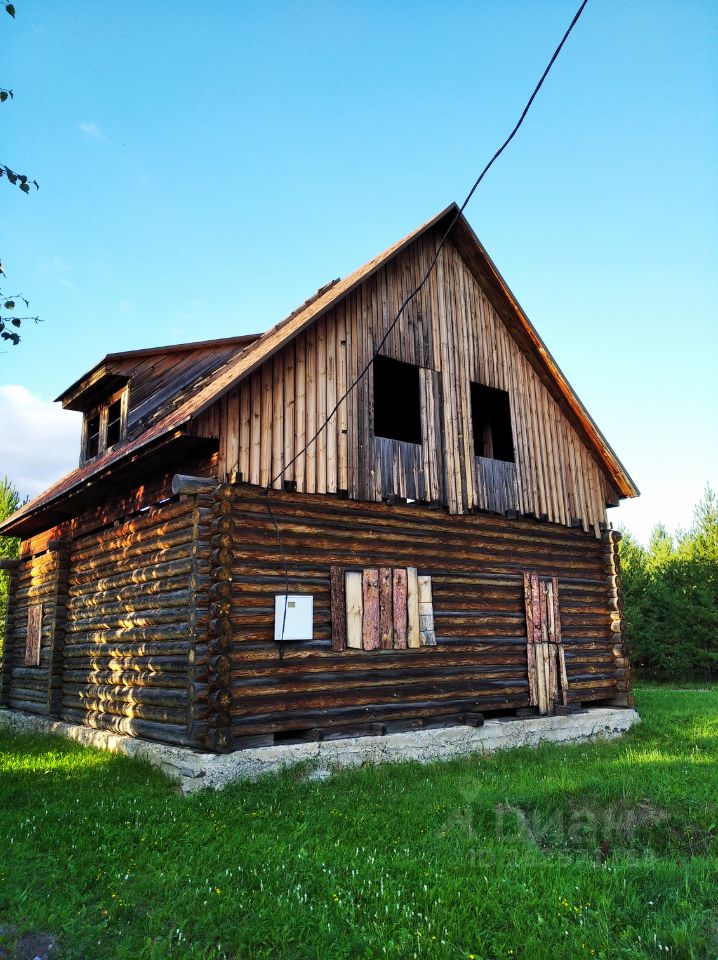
(491, 416)
(114, 420)
(397, 410)
(93, 436)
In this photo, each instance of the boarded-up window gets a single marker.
(34, 632)
(548, 683)
(381, 608)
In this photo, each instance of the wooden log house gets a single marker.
(445, 538)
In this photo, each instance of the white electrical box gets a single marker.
(299, 621)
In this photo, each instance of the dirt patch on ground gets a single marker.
(35, 945)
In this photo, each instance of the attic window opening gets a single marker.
(491, 417)
(114, 422)
(397, 407)
(93, 436)
(105, 426)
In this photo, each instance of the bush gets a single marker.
(670, 592)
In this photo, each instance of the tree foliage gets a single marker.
(10, 321)
(10, 501)
(670, 592)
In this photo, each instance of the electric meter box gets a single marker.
(299, 621)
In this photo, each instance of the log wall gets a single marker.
(162, 625)
(131, 623)
(36, 580)
(454, 334)
(476, 564)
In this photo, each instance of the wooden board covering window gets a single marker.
(548, 682)
(34, 632)
(385, 608)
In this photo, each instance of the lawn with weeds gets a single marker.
(607, 850)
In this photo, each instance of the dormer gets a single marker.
(102, 396)
(126, 391)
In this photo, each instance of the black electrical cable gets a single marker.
(411, 296)
(286, 572)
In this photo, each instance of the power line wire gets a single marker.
(360, 376)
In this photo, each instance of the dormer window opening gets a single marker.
(114, 422)
(93, 436)
(105, 426)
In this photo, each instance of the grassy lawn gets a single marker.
(488, 858)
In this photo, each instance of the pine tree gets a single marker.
(9, 546)
(671, 597)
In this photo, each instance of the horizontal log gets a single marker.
(118, 538)
(220, 740)
(171, 544)
(131, 634)
(121, 708)
(128, 621)
(420, 523)
(123, 578)
(127, 678)
(82, 609)
(221, 590)
(183, 485)
(28, 706)
(168, 651)
(222, 556)
(156, 554)
(140, 593)
(222, 541)
(139, 521)
(221, 698)
(220, 644)
(290, 720)
(133, 727)
(141, 694)
(9, 563)
(368, 696)
(222, 525)
(218, 678)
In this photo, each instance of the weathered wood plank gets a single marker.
(427, 637)
(400, 610)
(355, 609)
(386, 609)
(339, 609)
(412, 604)
(370, 626)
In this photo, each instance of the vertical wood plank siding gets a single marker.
(453, 332)
(475, 564)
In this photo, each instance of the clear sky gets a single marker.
(203, 168)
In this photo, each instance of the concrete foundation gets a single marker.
(195, 771)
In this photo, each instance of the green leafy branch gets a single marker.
(10, 321)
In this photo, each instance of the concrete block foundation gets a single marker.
(196, 771)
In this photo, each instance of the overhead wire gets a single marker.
(377, 349)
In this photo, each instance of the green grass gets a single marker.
(495, 858)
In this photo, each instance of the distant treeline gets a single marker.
(9, 546)
(670, 593)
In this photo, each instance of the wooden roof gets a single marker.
(104, 370)
(256, 352)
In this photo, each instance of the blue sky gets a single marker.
(203, 168)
